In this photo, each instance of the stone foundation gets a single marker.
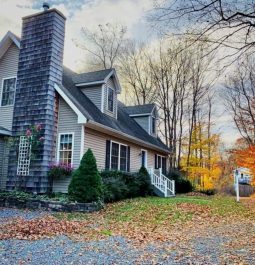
(56, 206)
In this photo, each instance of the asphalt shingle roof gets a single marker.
(96, 76)
(123, 123)
(139, 109)
(4, 131)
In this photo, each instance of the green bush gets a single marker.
(114, 186)
(114, 189)
(119, 185)
(182, 185)
(144, 182)
(86, 184)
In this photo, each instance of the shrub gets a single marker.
(182, 185)
(114, 189)
(114, 186)
(208, 191)
(144, 182)
(58, 170)
(86, 184)
(119, 185)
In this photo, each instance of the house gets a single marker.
(243, 174)
(76, 112)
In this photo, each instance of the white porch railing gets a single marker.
(161, 182)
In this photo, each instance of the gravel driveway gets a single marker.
(212, 248)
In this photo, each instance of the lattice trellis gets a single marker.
(24, 157)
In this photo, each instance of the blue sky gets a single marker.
(91, 13)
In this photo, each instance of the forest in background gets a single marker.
(182, 72)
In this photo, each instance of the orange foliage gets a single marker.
(246, 158)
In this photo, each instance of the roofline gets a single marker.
(137, 115)
(5, 132)
(95, 125)
(90, 83)
(142, 114)
(4, 42)
(45, 11)
(81, 118)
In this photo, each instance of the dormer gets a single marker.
(146, 116)
(102, 88)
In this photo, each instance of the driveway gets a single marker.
(216, 245)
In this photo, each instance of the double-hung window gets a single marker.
(119, 156)
(65, 148)
(110, 99)
(8, 91)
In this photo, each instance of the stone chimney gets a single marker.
(40, 66)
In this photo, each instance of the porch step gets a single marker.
(162, 186)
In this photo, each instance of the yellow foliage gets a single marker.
(202, 166)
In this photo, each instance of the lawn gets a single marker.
(183, 226)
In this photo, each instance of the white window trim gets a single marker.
(149, 124)
(146, 157)
(107, 107)
(110, 166)
(59, 135)
(82, 141)
(160, 159)
(102, 98)
(2, 89)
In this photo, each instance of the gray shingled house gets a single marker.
(76, 112)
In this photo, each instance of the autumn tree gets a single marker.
(203, 169)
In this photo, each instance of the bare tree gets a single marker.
(103, 45)
(223, 23)
(239, 96)
(136, 73)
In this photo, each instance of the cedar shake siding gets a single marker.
(4, 155)
(40, 66)
(8, 68)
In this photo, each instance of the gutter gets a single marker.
(5, 133)
(95, 125)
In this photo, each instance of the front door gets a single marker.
(144, 158)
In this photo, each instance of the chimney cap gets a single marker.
(46, 6)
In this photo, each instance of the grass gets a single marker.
(157, 210)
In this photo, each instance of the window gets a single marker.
(24, 157)
(119, 156)
(153, 125)
(115, 156)
(65, 148)
(8, 91)
(110, 99)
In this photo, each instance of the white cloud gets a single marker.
(129, 13)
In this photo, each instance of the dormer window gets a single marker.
(8, 91)
(110, 99)
(153, 128)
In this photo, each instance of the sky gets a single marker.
(80, 13)
(89, 14)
